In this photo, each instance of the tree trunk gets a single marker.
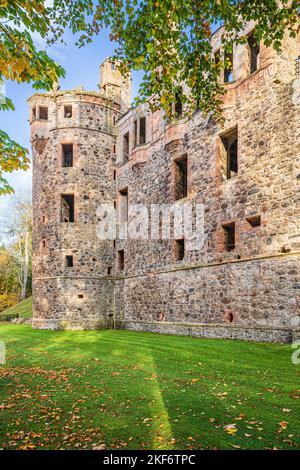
(25, 267)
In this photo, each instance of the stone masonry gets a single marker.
(244, 281)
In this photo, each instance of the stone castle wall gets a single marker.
(257, 283)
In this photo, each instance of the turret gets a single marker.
(114, 85)
(73, 139)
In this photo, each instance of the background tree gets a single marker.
(16, 231)
(168, 39)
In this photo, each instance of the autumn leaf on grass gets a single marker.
(241, 416)
(27, 446)
(230, 429)
(99, 447)
(193, 381)
(283, 425)
(146, 420)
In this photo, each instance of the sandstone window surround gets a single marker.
(43, 113)
(242, 64)
(67, 155)
(120, 260)
(228, 316)
(229, 153)
(254, 51)
(139, 131)
(229, 229)
(67, 208)
(135, 133)
(68, 111)
(69, 261)
(179, 249)
(123, 212)
(39, 112)
(125, 147)
(180, 177)
(33, 113)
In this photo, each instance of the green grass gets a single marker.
(22, 310)
(126, 390)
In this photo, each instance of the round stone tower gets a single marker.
(73, 146)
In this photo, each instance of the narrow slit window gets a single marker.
(142, 130)
(135, 134)
(229, 236)
(43, 113)
(67, 155)
(67, 208)
(69, 261)
(123, 213)
(121, 260)
(33, 113)
(229, 153)
(109, 270)
(180, 178)
(254, 49)
(68, 111)
(44, 243)
(179, 250)
(228, 71)
(126, 146)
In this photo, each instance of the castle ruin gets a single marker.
(92, 148)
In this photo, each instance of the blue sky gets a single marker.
(82, 68)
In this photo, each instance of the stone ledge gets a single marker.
(197, 330)
(58, 324)
(213, 331)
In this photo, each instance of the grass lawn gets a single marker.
(22, 310)
(126, 390)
